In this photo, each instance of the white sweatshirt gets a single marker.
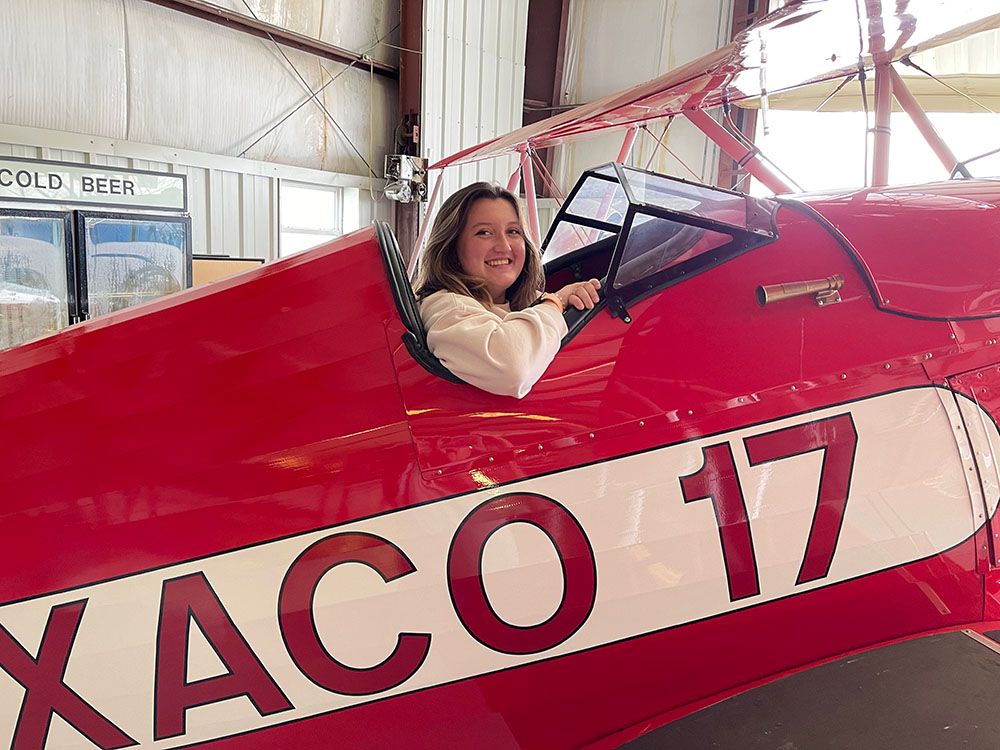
(492, 348)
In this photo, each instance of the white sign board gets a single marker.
(63, 182)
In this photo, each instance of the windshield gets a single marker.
(569, 237)
(684, 197)
(600, 199)
(661, 223)
(654, 244)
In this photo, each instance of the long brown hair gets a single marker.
(440, 267)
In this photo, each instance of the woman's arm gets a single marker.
(502, 355)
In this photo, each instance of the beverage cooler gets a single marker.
(78, 241)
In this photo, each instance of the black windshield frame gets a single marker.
(565, 215)
(760, 229)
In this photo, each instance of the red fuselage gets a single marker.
(708, 495)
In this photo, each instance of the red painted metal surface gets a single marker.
(116, 430)
(282, 402)
(569, 702)
(912, 258)
(627, 142)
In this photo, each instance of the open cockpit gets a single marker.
(640, 232)
(637, 231)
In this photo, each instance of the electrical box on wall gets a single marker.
(406, 178)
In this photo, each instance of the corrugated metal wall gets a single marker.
(473, 82)
(132, 70)
(131, 84)
(473, 77)
(233, 202)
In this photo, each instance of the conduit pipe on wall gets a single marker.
(240, 22)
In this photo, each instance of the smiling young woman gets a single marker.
(479, 281)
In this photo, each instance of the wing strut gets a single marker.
(528, 176)
(626, 148)
(883, 132)
(912, 108)
(737, 151)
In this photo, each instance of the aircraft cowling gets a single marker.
(931, 251)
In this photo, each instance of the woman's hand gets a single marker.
(580, 294)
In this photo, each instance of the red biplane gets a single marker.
(772, 445)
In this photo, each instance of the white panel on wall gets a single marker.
(153, 166)
(487, 106)
(104, 160)
(454, 54)
(471, 81)
(198, 206)
(50, 79)
(256, 215)
(225, 224)
(59, 154)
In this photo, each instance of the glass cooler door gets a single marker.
(36, 275)
(126, 260)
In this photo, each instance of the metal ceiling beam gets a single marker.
(231, 19)
(544, 60)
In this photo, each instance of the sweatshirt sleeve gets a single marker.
(503, 355)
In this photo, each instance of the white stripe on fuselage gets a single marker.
(659, 563)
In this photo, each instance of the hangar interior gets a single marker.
(747, 497)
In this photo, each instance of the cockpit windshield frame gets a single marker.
(566, 215)
(706, 240)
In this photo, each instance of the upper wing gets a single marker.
(804, 42)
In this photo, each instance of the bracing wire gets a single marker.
(836, 91)
(864, 103)
(551, 181)
(313, 95)
(666, 148)
(907, 61)
(584, 236)
(861, 79)
(753, 149)
(659, 141)
(962, 166)
(371, 123)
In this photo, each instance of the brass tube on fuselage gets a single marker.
(775, 292)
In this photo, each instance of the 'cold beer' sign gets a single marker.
(60, 182)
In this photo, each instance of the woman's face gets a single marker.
(491, 246)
